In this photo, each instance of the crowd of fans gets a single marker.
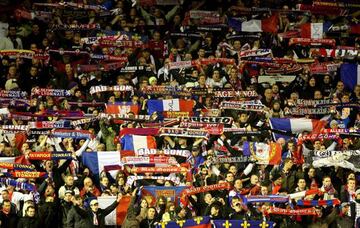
(160, 35)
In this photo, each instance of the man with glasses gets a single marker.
(95, 216)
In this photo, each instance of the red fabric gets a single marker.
(270, 24)
(139, 131)
(121, 209)
(20, 139)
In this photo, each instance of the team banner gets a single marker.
(316, 203)
(17, 184)
(126, 117)
(100, 67)
(49, 155)
(115, 88)
(200, 222)
(50, 92)
(75, 27)
(184, 132)
(83, 121)
(234, 93)
(313, 137)
(212, 128)
(304, 102)
(335, 53)
(345, 159)
(14, 128)
(312, 42)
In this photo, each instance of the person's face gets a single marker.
(311, 173)
(67, 197)
(5, 195)
(69, 181)
(216, 76)
(254, 179)
(208, 198)
(7, 206)
(264, 190)
(288, 164)
(238, 184)
(151, 213)
(12, 31)
(49, 165)
(229, 177)
(94, 205)
(317, 145)
(88, 182)
(243, 118)
(276, 106)
(30, 212)
(275, 89)
(317, 95)
(12, 70)
(233, 169)
(202, 80)
(351, 184)
(340, 86)
(201, 53)
(327, 182)
(268, 93)
(237, 45)
(143, 204)
(327, 79)
(345, 99)
(357, 89)
(312, 82)
(105, 181)
(301, 184)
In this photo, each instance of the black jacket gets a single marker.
(9, 220)
(74, 220)
(27, 222)
(87, 215)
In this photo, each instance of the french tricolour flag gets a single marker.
(171, 105)
(117, 216)
(350, 75)
(295, 125)
(314, 30)
(96, 161)
(136, 142)
(266, 25)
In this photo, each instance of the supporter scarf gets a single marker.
(339, 130)
(132, 179)
(83, 121)
(61, 51)
(272, 79)
(163, 90)
(242, 36)
(161, 124)
(267, 199)
(326, 153)
(291, 212)
(285, 69)
(223, 120)
(75, 27)
(158, 2)
(304, 102)
(347, 4)
(214, 28)
(18, 184)
(170, 152)
(173, 169)
(241, 131)
(184, 132)
(50, 92)
(196, 190)
(27, 174)
(126, 117)
(254, 53)
(117, 88)
(15, 128)
(15, 102)
(138, 131)
(100, 67)
(334, 53)
(71, 5)
(185, 34)
(132, 69)
(13, 94)
(189, 64)
(212, 128)
(262, 64)
(313, 137)
(77, 134)
(15, 166)
(86, 104)
(50, 124)
(233, 93)
(237, 159)
(312, 42)
(210, 112)
(39, 132)
(49, 155)
(315, 203)
(323, 68)
(27, 54)
(309, 111)
(132, 160)
(120, 59)
(304, 193)
(234, 105)
(176, 114)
